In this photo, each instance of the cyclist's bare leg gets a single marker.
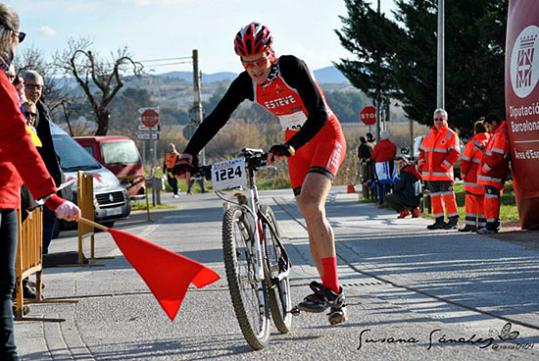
(311, 203)
(315, 254)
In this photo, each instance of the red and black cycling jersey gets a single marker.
(291, 94)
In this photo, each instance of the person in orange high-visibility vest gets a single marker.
(171, 157)
(493, 171)
(469, 165)
(438, 153)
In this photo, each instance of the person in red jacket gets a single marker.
(493, 171)
(383, 155)
(437, 154)
(19, 163)
(469, 165)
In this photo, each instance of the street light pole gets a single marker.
(440, 96)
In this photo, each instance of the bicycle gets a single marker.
(256, 263)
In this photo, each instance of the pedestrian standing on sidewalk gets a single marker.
(438, 153)
(469, 166)
(407, 191)
(366, 174)
(171, 157)
(19, 162)
(383, 155)
(33, 88)
(493, 171)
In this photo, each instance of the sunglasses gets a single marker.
(261, 62)
(21, 35)
(30, 114)
(438, 119)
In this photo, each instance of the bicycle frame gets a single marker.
(253, 208)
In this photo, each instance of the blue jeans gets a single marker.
(8, 251)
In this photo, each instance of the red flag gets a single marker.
(166, 273)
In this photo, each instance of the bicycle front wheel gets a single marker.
(249, 296)
(280, 300)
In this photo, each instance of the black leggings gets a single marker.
(8, 251)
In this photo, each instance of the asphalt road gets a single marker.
(413, 294)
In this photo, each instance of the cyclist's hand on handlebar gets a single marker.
(280, 152)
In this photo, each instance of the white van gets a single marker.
(110, 197)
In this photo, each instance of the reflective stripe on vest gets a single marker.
(437, 174)
(489, 179)
(473, 185)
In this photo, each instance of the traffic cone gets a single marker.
(350, 188)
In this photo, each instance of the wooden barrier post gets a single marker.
(85, 201)
(29, 255)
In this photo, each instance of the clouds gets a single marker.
(47, 31)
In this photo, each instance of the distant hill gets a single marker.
(330, 75)
(327, 75)
(206, 78)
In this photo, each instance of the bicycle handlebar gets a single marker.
(254, 159)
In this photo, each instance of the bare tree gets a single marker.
(100, 80)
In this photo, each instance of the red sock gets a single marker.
(329, 278)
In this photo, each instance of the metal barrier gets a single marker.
(29, 255)
(85, 201)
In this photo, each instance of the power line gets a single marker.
(167, 64)
(164, 59)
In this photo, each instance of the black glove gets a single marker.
(184, 165)
(282, 150)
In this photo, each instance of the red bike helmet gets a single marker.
(252, 39)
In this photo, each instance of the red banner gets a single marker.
(522, 105)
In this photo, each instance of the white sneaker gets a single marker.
(175, 196)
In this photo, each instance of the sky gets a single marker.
(157, 29)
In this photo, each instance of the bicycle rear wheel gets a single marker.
(280, 300)
(249, 296)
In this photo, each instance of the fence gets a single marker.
(29, 255)
(85, 201)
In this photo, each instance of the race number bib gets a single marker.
(228, 174)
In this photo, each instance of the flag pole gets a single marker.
(93, 224)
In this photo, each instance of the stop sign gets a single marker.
(368, 115)
(150, 118)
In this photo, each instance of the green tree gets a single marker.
(371, 37)
(474, 55)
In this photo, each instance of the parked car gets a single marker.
(110, 197)
(121, 156)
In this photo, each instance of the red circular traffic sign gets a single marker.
(368, 115)
(150, 118)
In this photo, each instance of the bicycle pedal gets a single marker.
(295, 311)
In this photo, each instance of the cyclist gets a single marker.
(314, 146)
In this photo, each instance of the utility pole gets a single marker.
(378, 94)
(440, 96)
(197, 99)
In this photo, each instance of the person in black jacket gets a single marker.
(33, 88)
(366, 167)
(407, 191)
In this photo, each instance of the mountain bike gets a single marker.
(256, 263)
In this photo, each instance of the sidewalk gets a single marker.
(400, 280)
